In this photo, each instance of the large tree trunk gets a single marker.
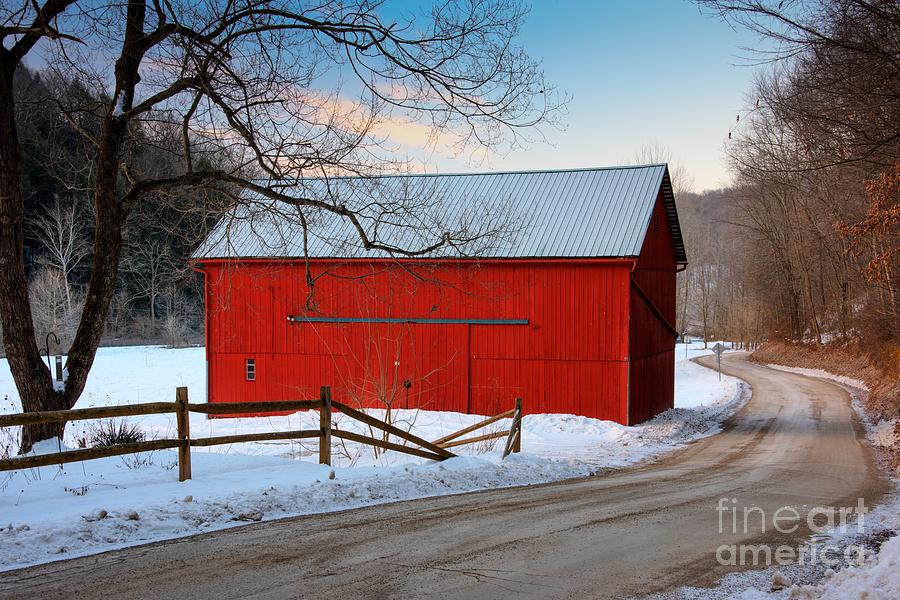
(109, 218)
(32, 377)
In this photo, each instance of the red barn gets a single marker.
(566, 298)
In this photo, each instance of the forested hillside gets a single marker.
(159, 297)
(805, 246)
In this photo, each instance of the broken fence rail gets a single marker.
(513, 435)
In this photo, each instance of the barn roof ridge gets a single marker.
(554, 213)
(487, 173)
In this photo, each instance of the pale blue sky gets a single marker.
(640, 72)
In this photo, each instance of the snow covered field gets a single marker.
(81, 508)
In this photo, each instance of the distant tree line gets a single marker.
(806, 245)
(714, 299)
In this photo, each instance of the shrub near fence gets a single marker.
(182, 408)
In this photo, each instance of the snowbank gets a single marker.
(81, 508)
(878, 578)
(846, 381)
(697, 386)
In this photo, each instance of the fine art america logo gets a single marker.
(751, 521)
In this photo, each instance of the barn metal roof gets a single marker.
(600, 212)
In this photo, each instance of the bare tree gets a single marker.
(838, 64)
(174, 325)
(60, 229)
(682, 180)
(255, 82)
(822, 129)
(705, 285)
(152, 271)
(55, 310)
(120, 312)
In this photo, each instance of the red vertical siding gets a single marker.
(652, 343)
(571, 357)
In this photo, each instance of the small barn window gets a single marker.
(251, 369)
(655, 225)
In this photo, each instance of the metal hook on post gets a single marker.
(47, 350)
(50, 370)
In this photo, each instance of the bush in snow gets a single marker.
(114, 431)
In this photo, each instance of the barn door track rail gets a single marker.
(182, 408)
(402, 320)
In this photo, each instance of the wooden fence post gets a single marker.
(325, 426)
(514, 441)
(517, 423)
(183, 419)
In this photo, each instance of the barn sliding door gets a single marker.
(410, 365)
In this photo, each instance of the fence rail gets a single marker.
(182, 408)
(58, 458)
(82, 414)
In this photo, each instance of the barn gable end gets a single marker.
(652, 332)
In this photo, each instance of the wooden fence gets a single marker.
(182, 408)
(513, 434)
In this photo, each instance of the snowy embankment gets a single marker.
(80, 508)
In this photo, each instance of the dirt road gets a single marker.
(796, 443)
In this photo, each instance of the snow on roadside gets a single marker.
(81, 508)
(877, 578)
(111, 507)
(846, 381)
(695, 385)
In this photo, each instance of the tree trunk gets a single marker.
(108, 220)
(29, 372)
(68, 290)
(32, 377)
